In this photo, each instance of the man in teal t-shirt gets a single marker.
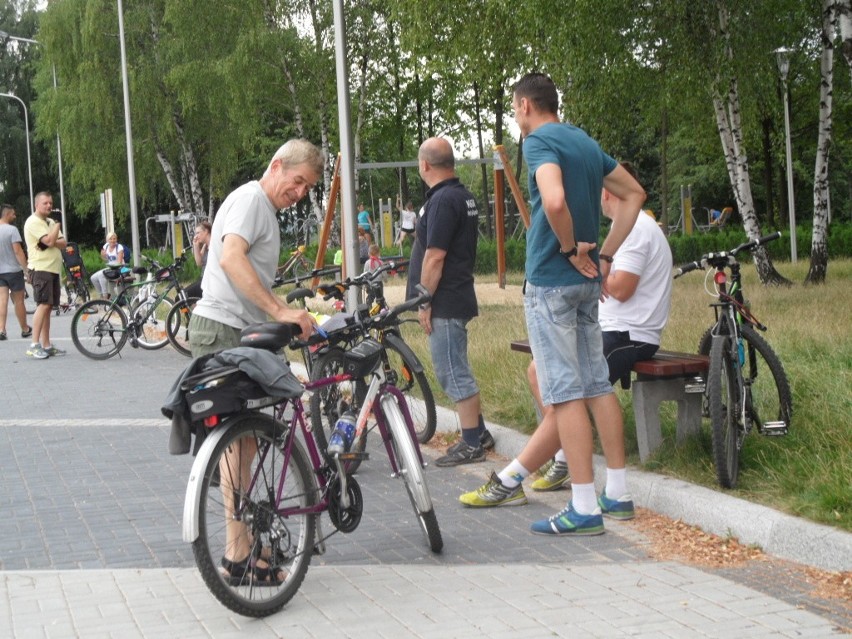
(567, 169)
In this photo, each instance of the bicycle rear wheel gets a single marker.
(411, 471)
(724, 405)
(330, 402)
(177, 325)
(401, 367)
(99, 329)
(152, 332)
(241, 481)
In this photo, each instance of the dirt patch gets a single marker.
(677, 541)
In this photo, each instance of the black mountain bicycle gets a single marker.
(747, 387)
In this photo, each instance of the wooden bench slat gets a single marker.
(663, 364)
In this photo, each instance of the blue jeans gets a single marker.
(565, 339)
(448, 344)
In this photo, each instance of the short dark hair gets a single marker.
(539, 89)
(4, 208)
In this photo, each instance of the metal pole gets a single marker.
(791, 204)
(347, 172)
(27, 131)
(59, 162)
(131, 176)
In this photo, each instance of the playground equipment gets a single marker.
(501, 163)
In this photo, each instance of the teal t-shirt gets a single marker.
(584, 166)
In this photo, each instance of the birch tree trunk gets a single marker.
(169, 172)
(844, 21)
(819, 246)
(729, 124)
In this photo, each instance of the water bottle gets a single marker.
(343, 434)
(741, 351)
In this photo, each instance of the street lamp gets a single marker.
(27, 131)
(782, 57)
(3, 37)
(131, 175)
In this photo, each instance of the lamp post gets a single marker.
(782, 57)
(5, 36)
(27, 131)
(131, 174)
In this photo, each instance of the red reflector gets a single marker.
(720, 277)
(211, 421)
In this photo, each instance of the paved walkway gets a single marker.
(90, 541)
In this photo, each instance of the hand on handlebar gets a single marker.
(307, 322)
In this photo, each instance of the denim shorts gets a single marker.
(565, 339)
(448, 344)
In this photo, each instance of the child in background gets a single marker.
(373, 263)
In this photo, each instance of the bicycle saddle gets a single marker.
(269, 335)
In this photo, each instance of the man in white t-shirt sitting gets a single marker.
(632, 317)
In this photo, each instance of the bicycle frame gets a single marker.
(323, 471)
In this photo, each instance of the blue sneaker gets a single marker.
(621, 508)
(570, 522)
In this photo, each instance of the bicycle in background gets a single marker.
(100, 328)
(747, 388)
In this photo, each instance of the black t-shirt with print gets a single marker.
(449, 222)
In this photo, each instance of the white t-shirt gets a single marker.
(407, 219)
(112, 254)
(246, 212)
(645, 253)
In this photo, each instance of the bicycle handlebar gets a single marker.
(367, 322)
(335, 290)
(724, 257)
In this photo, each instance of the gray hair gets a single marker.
(297, 152)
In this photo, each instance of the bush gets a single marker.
(687, 248)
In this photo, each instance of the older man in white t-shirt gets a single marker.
(245, 244)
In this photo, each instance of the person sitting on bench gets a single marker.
(632, 319)
(113, 253)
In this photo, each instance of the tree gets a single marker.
(819, 244)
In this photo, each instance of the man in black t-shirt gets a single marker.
(442, 260)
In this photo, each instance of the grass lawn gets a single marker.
(807, 473)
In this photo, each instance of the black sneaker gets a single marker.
(486, 440)
(461, 453)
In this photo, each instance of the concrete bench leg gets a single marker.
(647, 397)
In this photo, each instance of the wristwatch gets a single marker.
(425, 307)
(605, 258)
(568, 254)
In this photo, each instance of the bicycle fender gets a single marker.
(399, 344)
(192, 501)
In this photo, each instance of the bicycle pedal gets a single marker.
(694, 385)
(774, 429)
(353, 456)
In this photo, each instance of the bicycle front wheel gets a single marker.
(411, 471)
(99, 329)
(401, 370)
(177, 325)
(151, 317)
(770, 403)
(724, 405)
(255, 539)
(330, 402)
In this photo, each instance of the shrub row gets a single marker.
(686, 248)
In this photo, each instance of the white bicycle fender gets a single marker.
(193, 488)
